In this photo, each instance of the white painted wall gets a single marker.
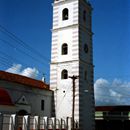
(76, 33)
(57, 13)
(64, 32)
(33, 97)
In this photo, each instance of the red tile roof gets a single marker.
(5, 99)
(23, 80)
(113, 108)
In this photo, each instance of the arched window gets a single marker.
(86, 48)
(64, 74)
(85, 75)
(64, 49)
(65, 14)
(84, 15)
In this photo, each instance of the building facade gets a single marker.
(72, 55)
(112, 117)
(24, 96)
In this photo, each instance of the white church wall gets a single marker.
(7, 109)
(33, 97)
(63, 38)
(63, 89)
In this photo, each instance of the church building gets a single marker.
(24, 96)
(72, 55)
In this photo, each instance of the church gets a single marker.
(20, 95)
(71, 56)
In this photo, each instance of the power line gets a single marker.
(40, 58)
(8, 60)
(4, 63)
(14, 69)
(23, 52)
(21, 42)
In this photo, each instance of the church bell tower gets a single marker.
(72, 54)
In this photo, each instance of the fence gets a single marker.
(14, 122)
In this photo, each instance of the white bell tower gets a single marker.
(72, 54)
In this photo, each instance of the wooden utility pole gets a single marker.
(73, 104)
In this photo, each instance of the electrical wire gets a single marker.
(22, 43)
(23, 52)
(8, 60)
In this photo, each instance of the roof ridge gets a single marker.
(23, 80)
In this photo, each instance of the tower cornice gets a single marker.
(62, 2)
(68, 1)
(64, 62)
(73, 26)
(86, 29)
(66, 27)
(88, 4)
(86, 62)
(80, 60)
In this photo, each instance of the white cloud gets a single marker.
(116, 92)
(29, 72)
(15, 68)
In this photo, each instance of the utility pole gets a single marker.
(73, 104)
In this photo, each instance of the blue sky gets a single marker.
(31, 21)
(111, 25)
